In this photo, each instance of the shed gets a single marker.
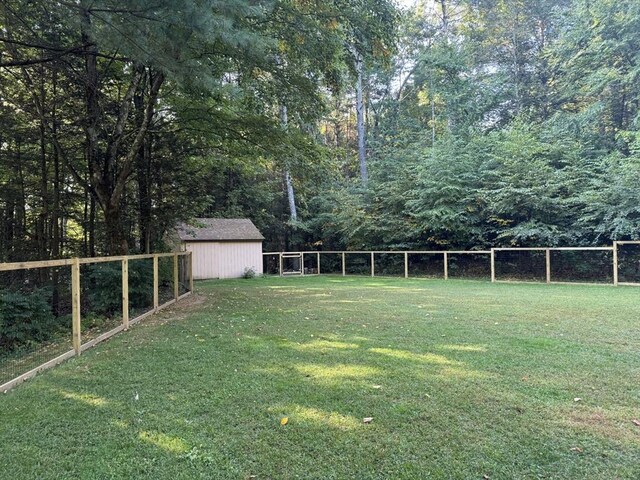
(222, 247)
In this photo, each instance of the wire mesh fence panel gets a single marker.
(426, 265)
(518, 265)
(629, 263)
(330, 263)
(357, 263)
(140, 286)
(310, 263)
(100, 298)
(389, 264)
(35, 318)
(581, 266)
(270, 265)
(291, 265)
(165, 279)
(184, 272)
(473, 266)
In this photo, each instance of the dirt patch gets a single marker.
(605, 425)
(176, 311)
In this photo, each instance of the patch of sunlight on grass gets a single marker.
(86, 398)
(288, 288)
(320, 418)
(368, 300)
(163, 441)
(463, 348)
(360, 339)
(325, 344)
(120, 424)
(416, 357)
(336, 372)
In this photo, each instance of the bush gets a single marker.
(26, 318)
(249, 272)
(105, 287)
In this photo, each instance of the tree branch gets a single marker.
(127, 165)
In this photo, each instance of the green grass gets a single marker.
(462, 379)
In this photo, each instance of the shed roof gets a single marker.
(219, 229)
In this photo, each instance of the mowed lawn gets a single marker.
(463, 379)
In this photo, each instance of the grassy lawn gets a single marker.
(463, 380)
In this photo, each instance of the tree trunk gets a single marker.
(56, 239)
(293, 212)
(41, 224)
(143, 176)
(116, 237)
(362, 154)
(92, 226)
(290, 196)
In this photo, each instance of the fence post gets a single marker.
(493, 265)
(280, 263)
(344, 265)
(75, 305)
(318, 260)
(156, 283)
(615, 264)
(125, 293)
(176, 284)
(302, 263)
(191, 271)
(373, 266)
(446, 266)
(548, 264)
(406, 265)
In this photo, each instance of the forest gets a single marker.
(332, 124)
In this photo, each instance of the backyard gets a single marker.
(273, 377)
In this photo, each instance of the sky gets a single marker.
(405, 3)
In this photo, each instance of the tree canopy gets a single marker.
(479, 123)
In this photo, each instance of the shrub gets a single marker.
(26, 318)
(105, 287)
(249, 272)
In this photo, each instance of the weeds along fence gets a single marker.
(53, 310)
(618, 264)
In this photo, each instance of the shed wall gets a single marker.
(224, 259)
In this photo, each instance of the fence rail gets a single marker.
(295, 263)
(18, 364)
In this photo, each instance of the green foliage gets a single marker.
(503, 123)
(26, 318)
(497, 122)
(105, 286)
(249, 273)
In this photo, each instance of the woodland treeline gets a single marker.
(335, 124)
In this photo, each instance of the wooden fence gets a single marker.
(297, 259)
(76, 308)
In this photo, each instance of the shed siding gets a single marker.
(224, 259)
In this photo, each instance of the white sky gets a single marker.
(404, 4)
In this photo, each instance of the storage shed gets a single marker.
(222, 247)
